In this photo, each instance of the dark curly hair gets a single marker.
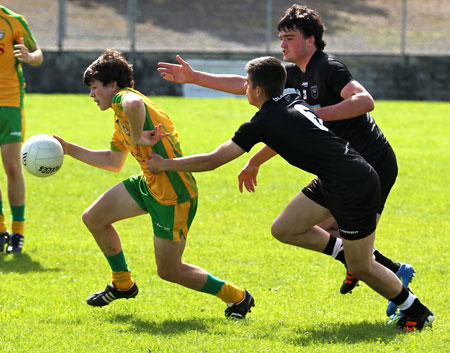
(109, 67)
(268, 73)
(305, 20)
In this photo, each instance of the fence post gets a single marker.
(61, 24)
(268, 25)
(132, 17)
(404, 14)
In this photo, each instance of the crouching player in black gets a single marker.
(346, 187)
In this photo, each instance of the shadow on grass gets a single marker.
(167, 327)
(20, 263)
(349, 333)
(305, 336)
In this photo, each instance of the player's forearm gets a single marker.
(262, 156)
(233, 84)
(97, 158)
(196, 163)
(350, 107)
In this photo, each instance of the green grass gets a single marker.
(298, 305)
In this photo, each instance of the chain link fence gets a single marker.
(413, 27)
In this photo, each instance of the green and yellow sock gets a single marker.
(121, 274)
(223, 290)
(18, 219)
(122, 280)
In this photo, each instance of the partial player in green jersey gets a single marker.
(17, 46)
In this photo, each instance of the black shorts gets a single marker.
(355, 212)
(385, 164)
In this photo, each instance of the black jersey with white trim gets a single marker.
(320, 86)
(298, 135)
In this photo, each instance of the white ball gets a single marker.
(42, 155)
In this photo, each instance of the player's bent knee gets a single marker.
(284, 234)
(85, 218)
(88, 219)
(280, 233)
(276, 231)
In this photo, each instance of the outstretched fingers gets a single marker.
(181, 72)
(248, 181)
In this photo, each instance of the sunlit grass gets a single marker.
(298, 305)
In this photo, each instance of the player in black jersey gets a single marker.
(325, 84)
(347, 186)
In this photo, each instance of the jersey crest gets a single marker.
(314, 91)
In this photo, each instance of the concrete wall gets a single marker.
(384, 76)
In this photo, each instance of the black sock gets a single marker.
(340, 257)
(379, 257)
(330, 246)
(400, 299)
(416, 309)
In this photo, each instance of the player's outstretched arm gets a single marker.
(104, 159)
(198, 162)
(247, 176)
(184, 73)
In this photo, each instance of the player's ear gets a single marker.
(259, 91)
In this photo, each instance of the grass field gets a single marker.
(298, 304)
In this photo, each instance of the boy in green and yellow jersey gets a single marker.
(141, 128)
(17, 45)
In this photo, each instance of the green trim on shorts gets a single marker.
(11, 129)
(162, 216)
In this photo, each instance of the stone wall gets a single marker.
(384, 76)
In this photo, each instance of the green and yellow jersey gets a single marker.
(12, 28)
(168, 188)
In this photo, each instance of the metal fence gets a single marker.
(353, 26)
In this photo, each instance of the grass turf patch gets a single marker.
(298, 305)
